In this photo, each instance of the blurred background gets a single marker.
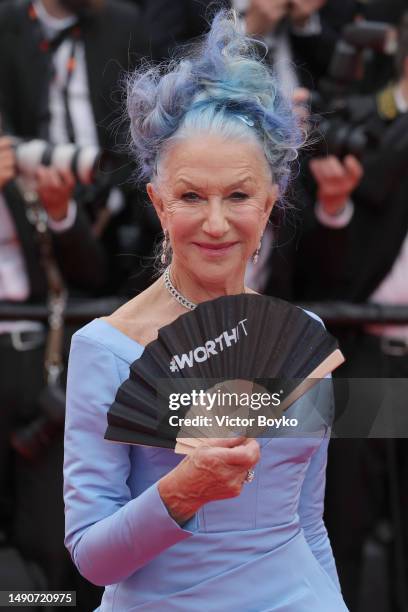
(77, 238)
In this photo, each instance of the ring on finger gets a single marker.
(249, 476)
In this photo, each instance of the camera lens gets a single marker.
(87, 160)
(30, 154)
(83, 162)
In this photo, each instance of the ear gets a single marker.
(157, 202)
(273, 194)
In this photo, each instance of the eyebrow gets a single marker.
(230, 187)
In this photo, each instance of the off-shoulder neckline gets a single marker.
(116, 329)
(116, 341)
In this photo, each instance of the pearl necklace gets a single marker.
(176, 294)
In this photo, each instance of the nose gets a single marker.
(215, 223)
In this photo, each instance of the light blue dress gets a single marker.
(266, 550)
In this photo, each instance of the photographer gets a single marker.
(80, 255)
(69, 92)
(381, 120)
(30, 503)
(371, 128)
(307, 238)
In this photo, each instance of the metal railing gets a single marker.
(80, 311)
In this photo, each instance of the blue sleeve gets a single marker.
(311, 504)
(108, 534)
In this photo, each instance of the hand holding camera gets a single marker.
(55, 189)
(336, 180)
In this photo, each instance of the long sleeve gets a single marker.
(108, 534)
(327, 252)
(311, 504)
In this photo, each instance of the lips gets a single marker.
(219, 246)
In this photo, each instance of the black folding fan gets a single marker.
(233, 342)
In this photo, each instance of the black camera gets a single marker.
(342, 119)
(357, 39)
(345, 126)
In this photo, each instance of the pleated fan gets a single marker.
(231, 343)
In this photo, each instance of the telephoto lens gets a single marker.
(84, 162)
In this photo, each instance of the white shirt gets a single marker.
(78, 91)
(13, 274)
(79, 99)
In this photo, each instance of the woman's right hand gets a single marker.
(216, 470)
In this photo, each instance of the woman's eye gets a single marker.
(239, 196)
(190, 196)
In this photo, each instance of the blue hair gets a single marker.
(222, 86)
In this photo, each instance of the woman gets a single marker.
(160, 531)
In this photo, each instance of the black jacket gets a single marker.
(80, 257)
(315, 262)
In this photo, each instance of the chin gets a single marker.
(213, 272)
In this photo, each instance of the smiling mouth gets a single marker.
(215, 247)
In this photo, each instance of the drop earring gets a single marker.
(163, 257)
(255, 257)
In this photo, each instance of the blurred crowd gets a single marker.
(74, 223)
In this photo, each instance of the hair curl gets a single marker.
(221, 86)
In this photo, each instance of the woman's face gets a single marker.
(214, 197)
